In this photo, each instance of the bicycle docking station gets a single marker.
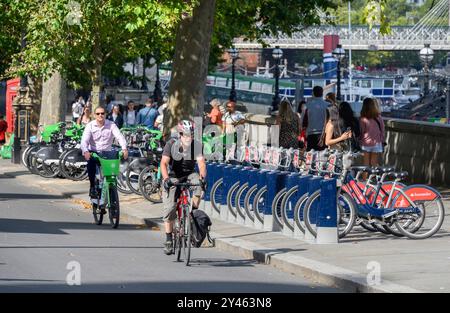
(327, 231)
(314, 184)
(268, 199)
(292, 181)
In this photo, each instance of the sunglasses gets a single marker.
(100, 113)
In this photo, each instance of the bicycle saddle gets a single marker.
(385, 169)
(375, 170)
(400, 175)
(360, 168)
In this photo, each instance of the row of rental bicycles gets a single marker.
(375, 198)
(58, 154)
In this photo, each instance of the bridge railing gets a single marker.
(361, 37)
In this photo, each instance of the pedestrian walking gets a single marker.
(350, 121)
(77, 109)
(335, 135)
(147, 115)
(130, 115)
(290, 126)
(215, 116)
(3, 128)
(314, 119)
(86, 117)
(372, 132)
(116, 116)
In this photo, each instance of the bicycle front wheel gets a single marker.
(424, 221)
(187, 238)
(114, 207)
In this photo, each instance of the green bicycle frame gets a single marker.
(109, 169)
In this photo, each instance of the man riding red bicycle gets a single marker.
(178, 166)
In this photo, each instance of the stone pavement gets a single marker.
(404, 265)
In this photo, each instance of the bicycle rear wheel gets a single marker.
(114, 207)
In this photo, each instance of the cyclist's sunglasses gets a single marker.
(99, 113)
(187, 135)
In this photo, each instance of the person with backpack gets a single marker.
(147, 115)
(180, 155)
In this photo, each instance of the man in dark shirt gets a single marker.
(178, 165)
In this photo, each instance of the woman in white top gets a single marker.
(129, 117)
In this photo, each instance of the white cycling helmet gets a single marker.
(185, 127)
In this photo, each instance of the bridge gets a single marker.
(433, 28)
(360, 38)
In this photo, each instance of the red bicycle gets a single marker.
(183, 224)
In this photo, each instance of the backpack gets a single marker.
(200, 227)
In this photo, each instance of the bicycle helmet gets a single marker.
(185, 127)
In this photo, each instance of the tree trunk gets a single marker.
(54, 100)
(35, 88)
(96, 86)
(190, 66)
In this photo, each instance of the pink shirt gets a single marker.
(96, 138)
(370, 131)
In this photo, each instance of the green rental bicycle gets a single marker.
(106, 186)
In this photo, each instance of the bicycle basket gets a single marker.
(110, 167)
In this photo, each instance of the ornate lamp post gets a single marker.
(339, 55)
(426, 56)
(234, 53)
(277, 53)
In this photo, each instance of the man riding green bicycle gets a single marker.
(98, 137)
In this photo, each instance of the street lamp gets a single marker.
(234, 53)
(277, 53)
(339, 55)
(426, 56)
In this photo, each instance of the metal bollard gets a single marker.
(327, 230)
(314, 184)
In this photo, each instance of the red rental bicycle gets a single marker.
(183, 224)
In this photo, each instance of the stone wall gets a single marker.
(421, 148)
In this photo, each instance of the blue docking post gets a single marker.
(327, 230)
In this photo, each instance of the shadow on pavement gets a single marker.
(13, 174)
(56, 228)
(26, 196)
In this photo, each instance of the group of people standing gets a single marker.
(150, 115)
(323, 123)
